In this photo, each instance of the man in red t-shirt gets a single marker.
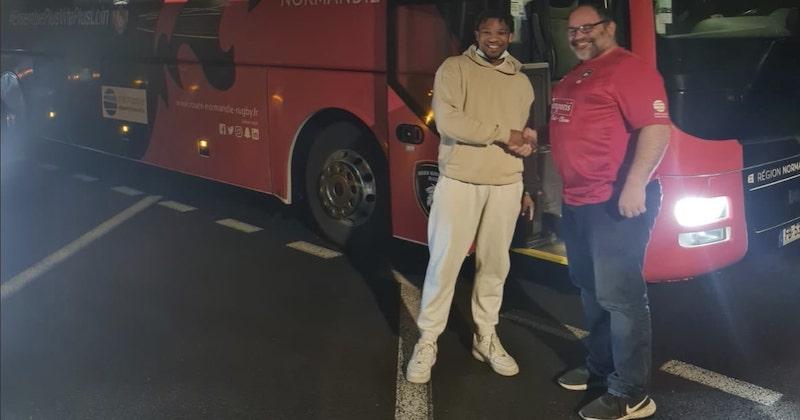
(609, 128)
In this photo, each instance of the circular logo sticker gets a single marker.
(659, 105)
(110, 102)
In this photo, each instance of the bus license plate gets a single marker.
(790, 234)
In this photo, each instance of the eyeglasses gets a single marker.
(584, 29)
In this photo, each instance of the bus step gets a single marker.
(553, 251)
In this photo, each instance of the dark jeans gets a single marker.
(606, 253)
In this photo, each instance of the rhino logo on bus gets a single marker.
(426, 176)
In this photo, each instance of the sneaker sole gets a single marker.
(418, 379)
(641, 413)
(580, 387)
(500, 371)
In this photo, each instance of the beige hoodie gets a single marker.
(476, 105)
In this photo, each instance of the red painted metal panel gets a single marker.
(233, 121)
(666, 259)
(296, 95)
(409, 219)
(643, 33)
(302, 33)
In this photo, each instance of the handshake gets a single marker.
(523, 143)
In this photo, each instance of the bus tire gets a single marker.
(346, 186)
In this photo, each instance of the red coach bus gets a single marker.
(326, 103)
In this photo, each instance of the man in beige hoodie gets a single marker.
(481, 103)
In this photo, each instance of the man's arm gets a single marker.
(448, 98)
(652, 144)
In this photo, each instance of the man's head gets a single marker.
(493, 32)
(591, 32)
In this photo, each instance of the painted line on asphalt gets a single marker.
(565, 331)
(24, 278)
(412, 401)
(127, 191)
(674, 367)
(721, 382)
(49, 166)
(240, 226)
(84, 177)
(174, 205)
(312, 249)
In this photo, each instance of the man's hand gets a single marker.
(522, 143)
(631, 200)
(516, 140)
(527, 206)
(531, 136)
(523, 151)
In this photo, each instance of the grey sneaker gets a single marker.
(487, 348)
(419, 367)
(611, 407)
(580, 379)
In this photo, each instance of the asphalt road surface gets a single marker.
(132, 292)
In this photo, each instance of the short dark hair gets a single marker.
(494, 14)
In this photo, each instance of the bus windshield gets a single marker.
(730, 66)
(727, 18)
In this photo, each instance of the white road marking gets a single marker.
(174, 205)
(412, 401)
(721, 382)
(240, 226)
(84, 177)
(312, 249)
(564, 331)
(24, 278)
(49, 166)
(127, 191)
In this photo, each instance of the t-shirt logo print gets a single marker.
(586, 73)
(659, 105)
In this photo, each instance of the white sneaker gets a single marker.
(488, 349)
(423, 359)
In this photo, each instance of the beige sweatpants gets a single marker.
(463, 213)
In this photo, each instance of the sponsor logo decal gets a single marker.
(124, 104)
(561, 110)
(661, 109)
(109, 102)
(426, 175)
(776, 173)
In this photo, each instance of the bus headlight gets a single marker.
(699, 211)
(706, 237)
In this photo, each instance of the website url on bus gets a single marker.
(242, 111)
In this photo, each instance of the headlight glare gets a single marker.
(700, 211)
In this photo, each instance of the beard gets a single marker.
(589, 51)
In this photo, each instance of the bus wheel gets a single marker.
(346, 186)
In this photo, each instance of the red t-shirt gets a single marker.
(596, 108)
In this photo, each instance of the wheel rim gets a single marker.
(347, 188)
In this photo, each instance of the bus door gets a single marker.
(421, 36)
